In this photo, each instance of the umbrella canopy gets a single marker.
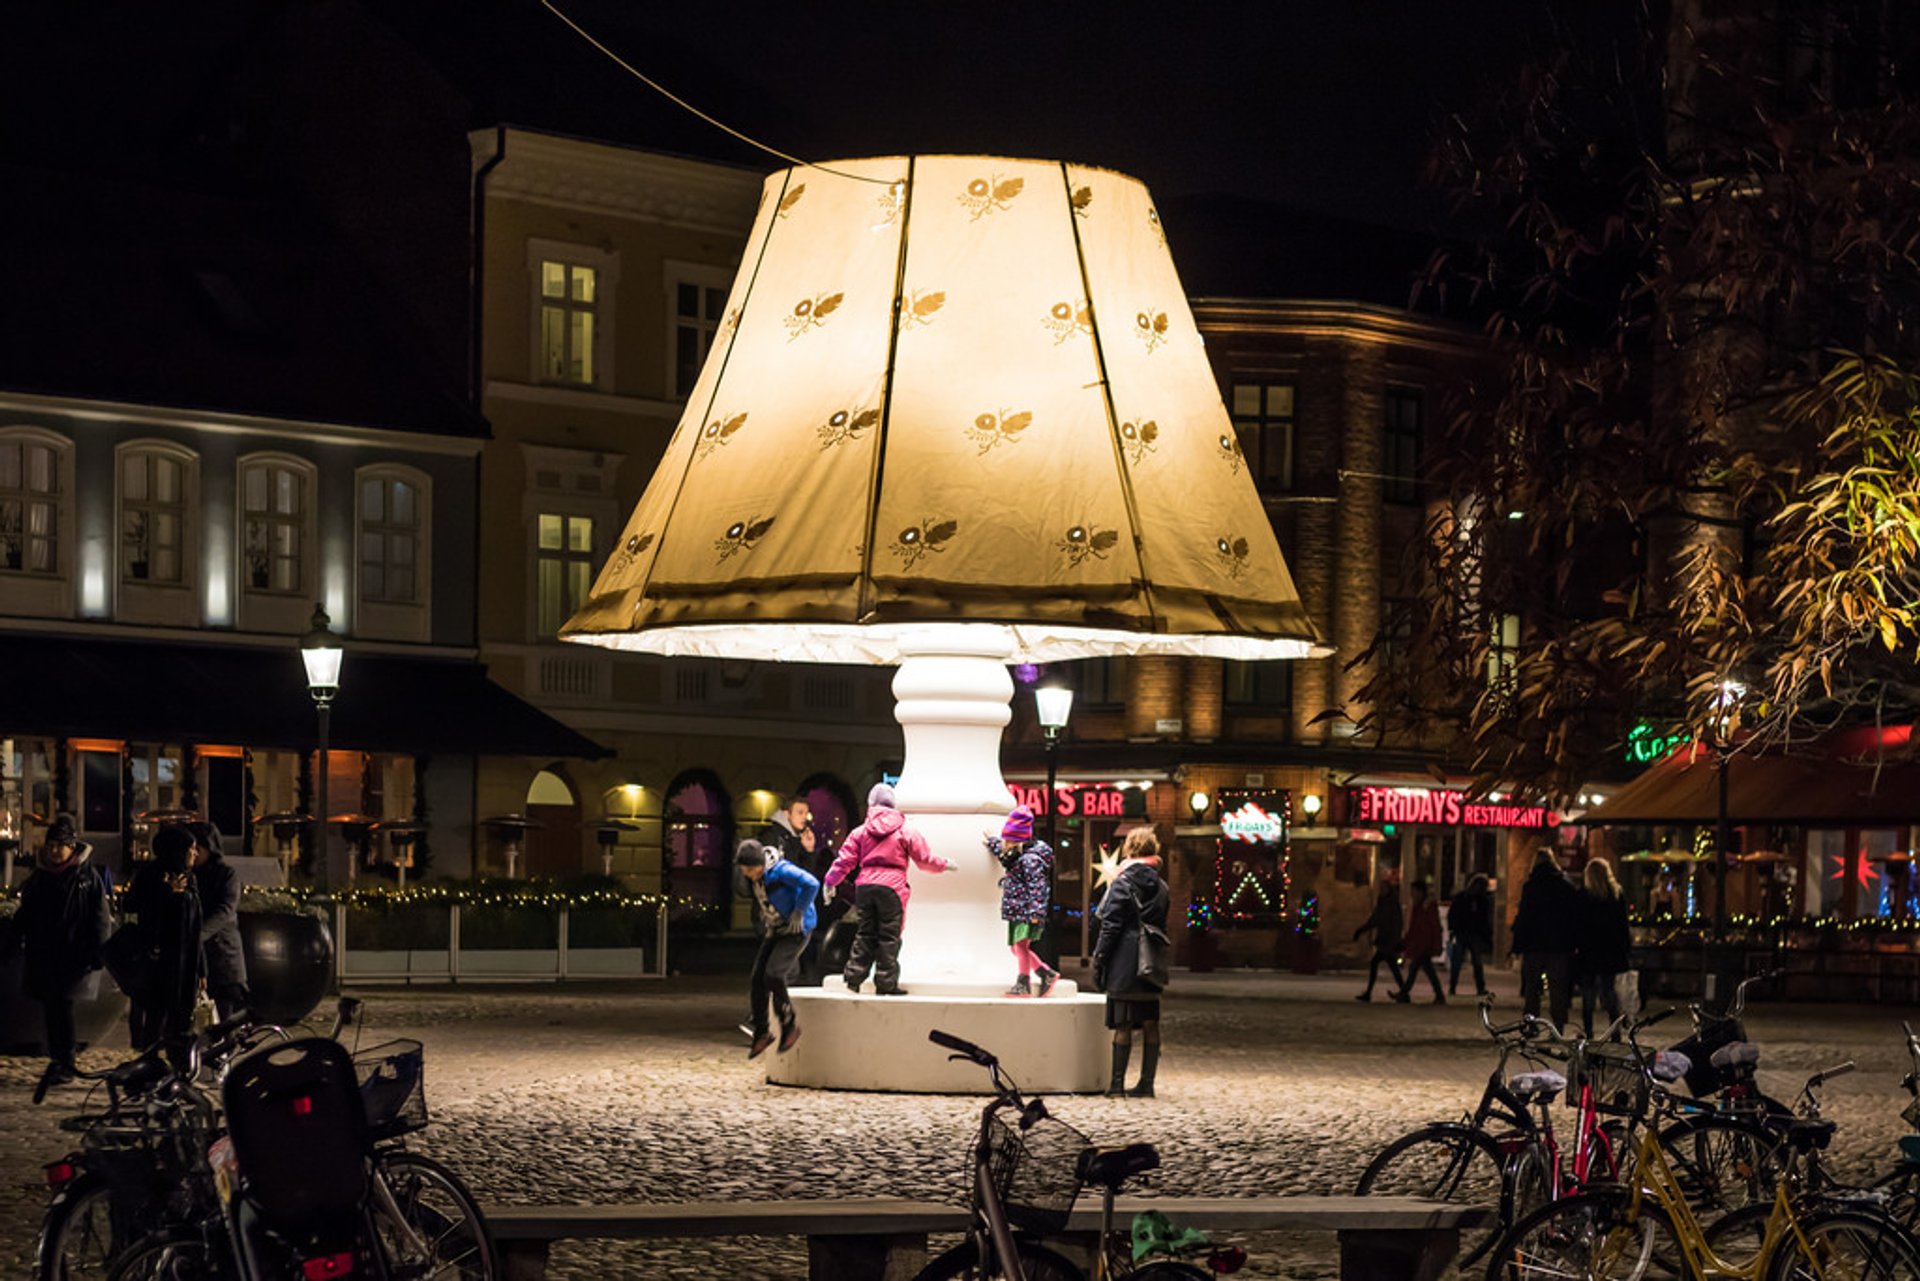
(952, 389)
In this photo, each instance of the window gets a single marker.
(389, 540)
(30, 500)
(1103, 682)
(1503, 651)
(1268, 684)
(1263, 419)
(1402, 461)
(153, 517)
(569, 303)
(697, 308)
(274, 502)
(564, 562)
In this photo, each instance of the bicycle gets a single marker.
(1647, 1227)
(1027, 1171)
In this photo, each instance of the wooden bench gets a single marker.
(870, 1239)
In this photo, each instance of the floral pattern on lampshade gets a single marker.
(742, 535)
(984, 195)
(1151, 325)
(918, 308)
(1232, 552)
(1087, 541)
(630, 550)
(810, 313)
(1067, 319)
(792, 198)
(846, 424)
(719, 432)
(1229, 446)
(1081, 200)
(1138, 439)
(989, 430)
(929, 537)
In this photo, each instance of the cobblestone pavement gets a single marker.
(641, 1092)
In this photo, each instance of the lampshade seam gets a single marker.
(877, 469)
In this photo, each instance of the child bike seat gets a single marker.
(1535, 1087)
(1110, 1167)
(1736, 1055)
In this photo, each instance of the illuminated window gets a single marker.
(30, 502)
(392, 536)
(275, 504)
(564, 565)
(699, 301)
(1402, 459)
(1263, 419)
(569, 312)
(1503, 651)
(1267, 684)
(154, 512)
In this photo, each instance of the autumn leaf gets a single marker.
(1009, 189)
(929, 303)
(864, 419)
(1240, 549)
(1105, 539)
(1160, 322)
(792, 198)
(827, 305)
(942, 532)
(758, 529)
(1014, 422)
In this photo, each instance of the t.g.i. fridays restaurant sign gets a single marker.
(1377, 805)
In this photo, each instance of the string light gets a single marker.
(485, 894)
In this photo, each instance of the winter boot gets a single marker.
(1149, 1063)
(1117, 1086)
(1047, 979)
(1022, 986)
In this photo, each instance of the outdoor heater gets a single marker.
(957, 415)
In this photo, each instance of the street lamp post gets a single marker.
(321, 651)
(1726, 704)
(1053, 704)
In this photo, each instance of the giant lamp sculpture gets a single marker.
(321, 651)
(956, 415)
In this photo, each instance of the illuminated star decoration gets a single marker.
(1106, 869)
(1863, 870)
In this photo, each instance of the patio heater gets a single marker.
(956, 416)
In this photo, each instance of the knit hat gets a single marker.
(881, 795)
(1019, 825)
(63, 831)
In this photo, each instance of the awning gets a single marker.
(1818, 788)
(251, 696)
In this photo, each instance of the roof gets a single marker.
(127, 292)
(253, 696)
(1844, 782)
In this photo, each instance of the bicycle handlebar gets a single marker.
(963, 1049)
(1827, 1074)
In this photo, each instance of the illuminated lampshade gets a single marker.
(968, 389)
(321, 651)
(1053, 704)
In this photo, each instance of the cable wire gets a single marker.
(688, 107)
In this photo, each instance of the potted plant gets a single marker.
(1306, 940)
(1203, 947)
(289, 950)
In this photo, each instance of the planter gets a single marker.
(289, 962)
(1306, 954)
(23, 1030)
(1203, 952)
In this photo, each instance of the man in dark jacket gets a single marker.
(219, 888)
(789, 835)
(1545, 932)
(62, 920)
(162, 907)
(1385, 925)
(1470, 922)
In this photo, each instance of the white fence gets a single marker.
(454, 963)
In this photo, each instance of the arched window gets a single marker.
(394, 551)
(698, 839)
(831, 801)
(276, 515)
(157, 485)
(34, 485)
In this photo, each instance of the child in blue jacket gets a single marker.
(784, 892)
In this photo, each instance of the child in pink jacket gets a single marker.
(876, 855)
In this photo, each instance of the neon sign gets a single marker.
(1447, 808)
(1077, 800)
(1646, 745)
(1252, 824)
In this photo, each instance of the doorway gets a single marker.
(553, 848)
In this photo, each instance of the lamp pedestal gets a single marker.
(952, 699)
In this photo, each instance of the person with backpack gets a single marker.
(1385, 925)
(1129, 959)
(1026, 896)
(876, 855)
(63, 918)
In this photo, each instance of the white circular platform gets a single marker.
(1052, 1045)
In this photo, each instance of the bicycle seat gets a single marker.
(139, 1075)
(1110, 1167)
(1736, 1055)
(1809, 1136)
(1536, 1087)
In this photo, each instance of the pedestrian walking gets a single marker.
(162, 909)
(1026, 896)
(876, 855)
(789, 834)
(1545, 932)
(1606, 942)
(1470, 922)
(61, 922)
(218, 886)
(1385, 925)
(1422, 944)
(784, 894)
(1129, 959)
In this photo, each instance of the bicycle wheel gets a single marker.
(178, 1254)
(1901, 1187)
(1447, 1162)
(1852, 1244)
(448, 1240)
(1592, 1236)
(1722, 1162)
(962, 1263)
(77, 1240)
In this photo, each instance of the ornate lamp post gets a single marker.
(321, 651)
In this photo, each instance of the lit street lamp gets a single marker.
(321, 651)
(1053, 704)
(1726, 705)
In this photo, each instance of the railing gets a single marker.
(584, 675)
(451, 944)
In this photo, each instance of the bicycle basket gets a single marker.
(1615, 1073)
(1036, 1170)
(393, 1086)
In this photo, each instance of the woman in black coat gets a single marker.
(163, 909)
(1137, 897)
(1546, 931)
(1470, 921)
(1606, 942)
(63, 918)
(218, 886)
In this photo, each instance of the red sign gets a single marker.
(1072, 800)
(1448, 808)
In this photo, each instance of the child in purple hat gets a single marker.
(1025, 896)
